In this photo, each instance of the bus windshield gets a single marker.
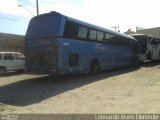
(43, 26)
(142, 43)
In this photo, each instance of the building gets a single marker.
(11, 43)
(152, 31)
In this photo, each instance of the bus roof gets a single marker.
(99, 28)
(85, 24)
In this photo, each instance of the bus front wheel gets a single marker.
(94, 67)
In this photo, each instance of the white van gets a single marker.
(11, 61)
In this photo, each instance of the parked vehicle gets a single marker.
(11, 61)
(148, 47)
(58, 44)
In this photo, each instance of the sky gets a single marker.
(127, 14)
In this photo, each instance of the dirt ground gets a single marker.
(127, 90)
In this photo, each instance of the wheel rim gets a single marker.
(94, 68)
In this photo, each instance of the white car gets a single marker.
(11, 61)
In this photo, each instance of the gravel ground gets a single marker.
(127, 90)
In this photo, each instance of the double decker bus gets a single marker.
(148, 47)
(58, 44)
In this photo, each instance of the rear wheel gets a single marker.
(94, 68)
(134, 62)
(2, 71)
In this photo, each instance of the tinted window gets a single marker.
(141, 39)
(93, 34)
(71, 30)
(8, 56)
(155, 42)
(142, 43)
(126, 42)
(82, 32)
(19, 57)
(100, 36)
(107, 37)
(112, 39)
(118, 40)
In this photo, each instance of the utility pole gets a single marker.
(115, 27)
(37, 7)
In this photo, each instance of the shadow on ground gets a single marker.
(13, 73)
(27, 92)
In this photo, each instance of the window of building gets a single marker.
(82, 32)
(8, 56)
(100, 36)
(93, 34)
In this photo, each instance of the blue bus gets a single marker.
(58, 45)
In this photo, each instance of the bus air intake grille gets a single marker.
(42, 58)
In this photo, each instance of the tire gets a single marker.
(94, 67)
(134, 62)
(2, 71)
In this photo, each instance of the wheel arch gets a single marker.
(2, 70)
(95, 60)
(3, 67)
(92, 62)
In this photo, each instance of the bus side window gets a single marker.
(100, 36)
(126, 42)
(82, 32)
(113, 39)
(93, 34)
(71, 30)
(107, 37)
(119, 40)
